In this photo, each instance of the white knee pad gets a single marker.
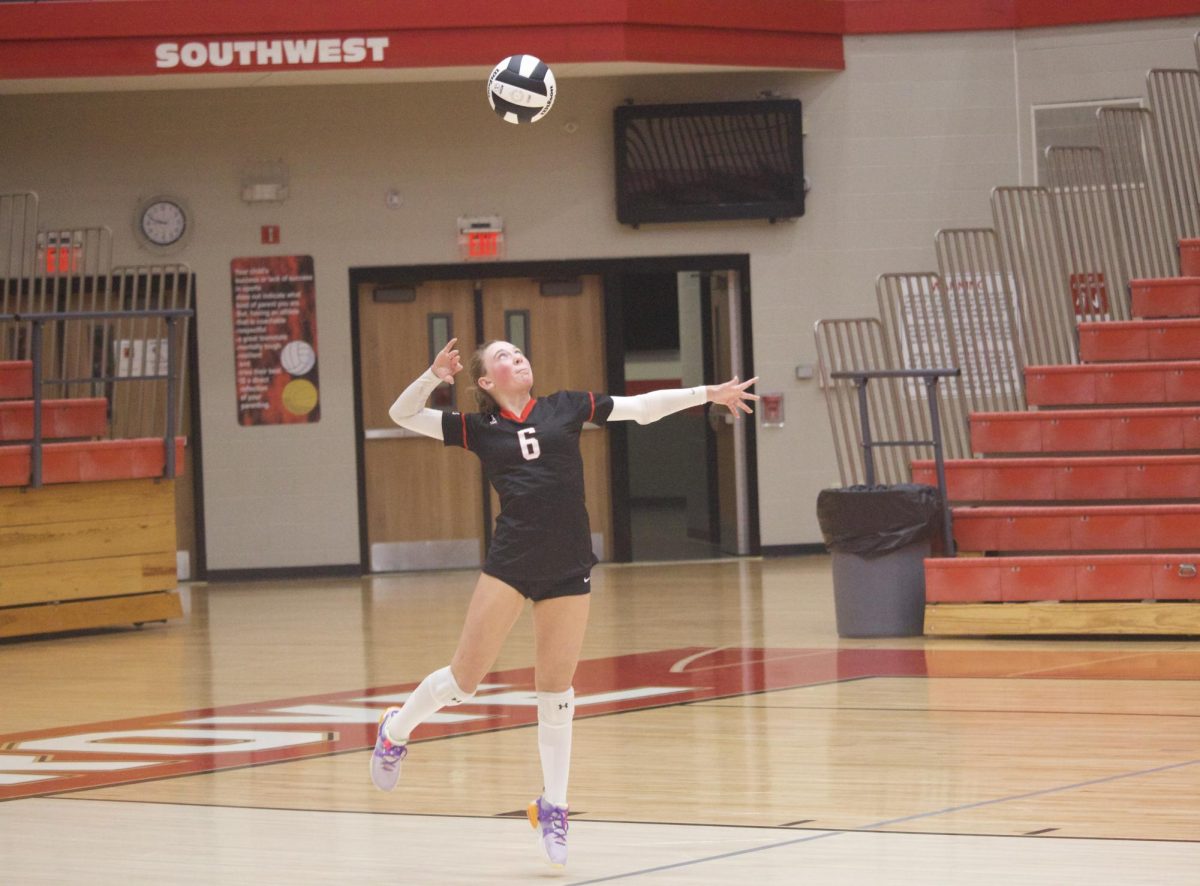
(446, 690)
(556, 708)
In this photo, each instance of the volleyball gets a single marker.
(298, 357)
(521, 89)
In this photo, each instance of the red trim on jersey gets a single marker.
(463, 416)
(524, 412)
(592, 414)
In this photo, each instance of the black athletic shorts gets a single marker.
(548, 589)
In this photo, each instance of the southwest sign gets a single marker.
(256, 54)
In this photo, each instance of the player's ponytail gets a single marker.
(483, 399)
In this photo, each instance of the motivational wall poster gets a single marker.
(275, 340)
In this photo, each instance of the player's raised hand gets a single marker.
(733, 395)
(447, 363)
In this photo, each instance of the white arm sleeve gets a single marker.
(651, 406)
(409, 409)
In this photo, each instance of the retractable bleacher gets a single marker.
(91, 362)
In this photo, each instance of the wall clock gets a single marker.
(162, 222)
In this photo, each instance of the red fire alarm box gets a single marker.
(772, 410)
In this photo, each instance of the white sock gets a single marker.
(556, 710)
(436, 691)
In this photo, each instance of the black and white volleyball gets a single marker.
(521, 89)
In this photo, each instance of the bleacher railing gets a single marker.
(855, 345)
(18, 236)
(1013, 295)
(869, 442)
(1031, 238)
(983, 312)
(163, 368)
(1096, 259)
(1140, 205)
(920, 332)
(1175, 103)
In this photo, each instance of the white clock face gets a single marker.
(163, 222)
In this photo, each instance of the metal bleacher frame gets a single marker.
(37, 323)
(66, 308)
(1056, 255)
(1088, 263)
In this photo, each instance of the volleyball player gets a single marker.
(541, 549)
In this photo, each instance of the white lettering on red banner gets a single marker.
(270, 53)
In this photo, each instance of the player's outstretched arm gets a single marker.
(409, 410)
(653, 405)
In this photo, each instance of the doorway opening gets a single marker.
(673, 492)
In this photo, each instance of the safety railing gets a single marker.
(920, 332)
(18, 236)
(861, 380)
(1175, 103)
(1095, 254)
(164, 368)
(857, 345)
(1139, 201)
(988, 334)
(1031, 238)
(91, 349)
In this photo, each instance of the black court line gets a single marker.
(882, 824)
(633, 821)
(800, 707)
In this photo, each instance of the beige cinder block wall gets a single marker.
(911, 137)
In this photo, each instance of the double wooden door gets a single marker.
(425, 503)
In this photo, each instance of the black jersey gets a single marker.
(534, 464)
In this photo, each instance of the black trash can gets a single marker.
(879, 537)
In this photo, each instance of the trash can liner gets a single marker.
(871, 521)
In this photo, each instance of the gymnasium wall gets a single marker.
(909, 138)
(1093, 63)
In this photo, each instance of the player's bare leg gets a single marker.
(495, 608)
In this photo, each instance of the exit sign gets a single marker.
(481, 238)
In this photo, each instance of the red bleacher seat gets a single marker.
(1086, 430)
(1114, 384)
(1111, 478)
(1083, 528)
(1063, 579)
(1176, 339)
(1166, 297)
(89, 461)
(16, 379)
(61, 419)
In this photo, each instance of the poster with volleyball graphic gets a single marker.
(275, 340)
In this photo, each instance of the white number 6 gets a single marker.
(529, 444)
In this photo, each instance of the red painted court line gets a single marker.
(345, 721)
(79, 757)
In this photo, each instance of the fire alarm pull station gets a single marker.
(772, 410)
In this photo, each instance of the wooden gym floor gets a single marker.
(725, 734)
